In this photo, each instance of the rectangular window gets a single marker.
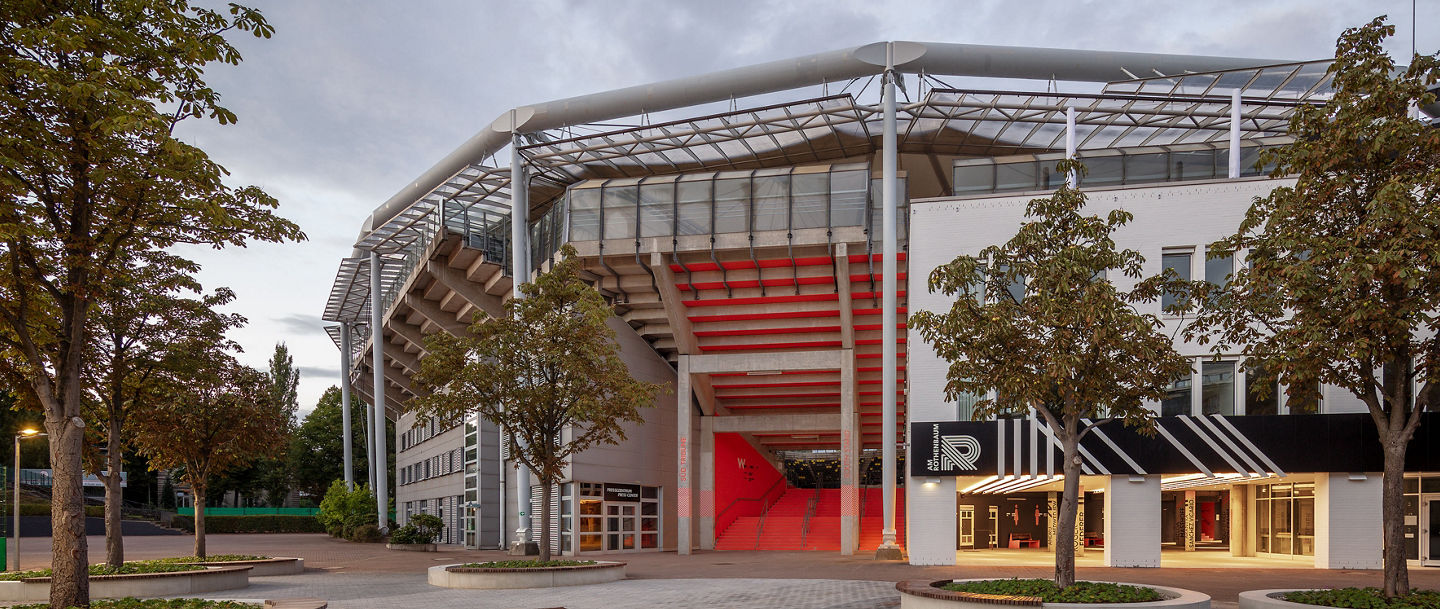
(692, 205)
(620, 203)
(772, 198)
(1217, 388)
(1145, 168)
(1177, 397)
(732, 205)
(1254, 403)
(1192, 165)
(1015, 176)
(657, 212)
(811, 200)
(974, 179)
(1180, 263)
(847, 197)
(1218, 270)
(1106, 170)
(584, 214)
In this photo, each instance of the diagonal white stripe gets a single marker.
(1184, 451)
(1216, 447)
(1108, 442)
(1248, 444)
(1087, 455)
(1255, 467)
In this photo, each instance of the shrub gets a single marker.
(185, 560)
(526, 564)
(43, 509)
(127, 568)
(342, 510)
(1079, 592)
(1365, 598)
(267, 523)
(422, 528)
(366, 533)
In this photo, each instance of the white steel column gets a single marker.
(682, 443)
(889, 199)
(1072, 178)
(520, 274)
(377, 343)
(1235, 134)
(370, 444)
(345, 405)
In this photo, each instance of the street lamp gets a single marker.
(15, 532)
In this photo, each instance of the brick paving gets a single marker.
(368, 575)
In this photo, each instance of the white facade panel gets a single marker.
(1348, 530)
(1132, 521)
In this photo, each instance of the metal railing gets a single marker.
(765, 500)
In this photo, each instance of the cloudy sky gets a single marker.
(352, 100)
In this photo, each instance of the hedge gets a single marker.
(43, 509)
(273, 523)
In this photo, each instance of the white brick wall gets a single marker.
(1348, 529)
(1132, 521)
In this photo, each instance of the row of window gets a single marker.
(443, 464)
(447, 509)
(1103, 168)
(422, 431)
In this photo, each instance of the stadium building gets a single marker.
(762, 233)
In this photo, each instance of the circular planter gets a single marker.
(264, 567)
(930, 594)
(412, 547)
(1270, 599)
(456, 576)
(212, 579)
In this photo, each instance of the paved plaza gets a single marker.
(363, 576)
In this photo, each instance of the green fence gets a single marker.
(251, 511)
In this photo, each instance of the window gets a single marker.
(847, 197)
(1106, 170)
(1218, 270)
(1254, 402)
(811, 200)
(1285, 519)
(619, 203)
(1192, 165)
(1177, 398)
(772, 196)
(1217, 388)
(732, 205)
(585, 214)
(1180, 263)
(1015, 176)
(693, 207)
(1142, 168)
(657, 211)
(974, 178)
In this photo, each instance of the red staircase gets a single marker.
(872, 519)
(783, 526)
(823, 531)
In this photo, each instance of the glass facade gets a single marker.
(611, 517)
(1285, 519)
(1104, 168)
(778, 199)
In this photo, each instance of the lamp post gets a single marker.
(15, 532)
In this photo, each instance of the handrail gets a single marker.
(809, 511)
(764, 499)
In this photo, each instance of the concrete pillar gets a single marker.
(345, 426)
(1348, 531)
(1132, 521)
(1189, 521)
(890, 193)
(377, 343)
(682, 466)
(849, 458)
(1242, 542)
(707, 483)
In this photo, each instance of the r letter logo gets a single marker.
(959, 452)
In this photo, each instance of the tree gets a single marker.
(549, 366)
(272, 475)
(1040, 322)
(214, 415)
(311, 457)
(90, 171)
(1341, 283)
(144, 317)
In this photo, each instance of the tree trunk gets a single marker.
(545, 520)
(200, 522)
(1069, 510)
(69, 559)
(114, 498)
(1397, 574)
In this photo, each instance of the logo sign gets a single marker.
(958, 452)
(951, 448)
(622, 492)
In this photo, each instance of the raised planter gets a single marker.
(930, 594)
(457, 576)
(412, 547)
(212, 579)
(1270, 599)
(264, 567)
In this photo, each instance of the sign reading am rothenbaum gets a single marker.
(1210, 444)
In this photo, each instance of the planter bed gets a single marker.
(492, 578)
(931, 594)
(1275, 599)
(211, 579)
(262, 567)
(412, 547)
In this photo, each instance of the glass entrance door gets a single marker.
(621, 527)
(1430, 533)
(967, 526)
